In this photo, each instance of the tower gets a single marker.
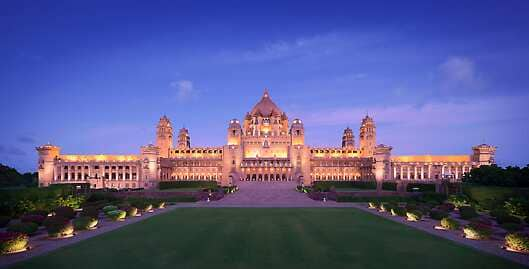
(184, 141)
(348, 139)
(484, 154)
(297, 132)
(368, 137)
(234, 132)
(46, 171)
(164, 136)
(150, 167)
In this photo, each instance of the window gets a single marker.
(96, 167)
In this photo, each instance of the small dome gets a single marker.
(266, 107)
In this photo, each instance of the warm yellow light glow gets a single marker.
(432, 158)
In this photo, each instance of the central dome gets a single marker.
(266, 107)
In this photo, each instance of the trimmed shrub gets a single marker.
(160, 205)
(116, 215)
(109, 208)
(467, 212)
(518, 242)
(389, 186)
(398, 211)
(58, 227)
(90, 211)
(438, 214)
(65, 211)
(458, 200)
(132, 211)
(326, 185)
(477, 231)
(512, 227)
(449, 224)
(385, 207)
(4, 220)
(84, 223)
(43, 213)
(37, 219)
(432, 198)
(414, 215)
(373, 205)
(12, 242)
(446, 207)
(28, 228)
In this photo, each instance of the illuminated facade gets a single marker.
(265, 146)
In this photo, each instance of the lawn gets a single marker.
(266, 238)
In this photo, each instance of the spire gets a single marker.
(266, 94)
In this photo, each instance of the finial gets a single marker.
(266, 94)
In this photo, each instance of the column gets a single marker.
(422, 171)
(407, 172)
(401, 171)
(429, 171)
(394, 172)
(415, 171)
(450, 170)
(457, 174)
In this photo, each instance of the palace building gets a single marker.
(264, 146)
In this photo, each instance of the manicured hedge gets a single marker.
(326, 185)
(449, 224)
(389, 186)
(467, 212)
(37, 219)
(90, 211)
(422, 187)
(518, 242)
(28, 228)
(117, 215)
(414, 215)
(131, 211)
(438, 214)
(12, 242)
(398, 211)
(109, 208)
(84, 223)
(65, 211)
(164, 185)
(58, 227)
(388, 199)
(477, 231)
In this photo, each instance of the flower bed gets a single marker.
(12, 242)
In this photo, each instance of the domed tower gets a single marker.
(164, 136)
(184, 140)
(234, 132)
(297, 132)
(348, 139)
(368, 137)
(265, 119)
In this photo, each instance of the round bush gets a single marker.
(117, 215)
(65, 211)
(518, 242)
(12, 242)
(446, 207)
(132, 211)
(477, 231)
(438, 214)
(84, 223)
(109, 208)
(90, 211)
(398, 211)
(37, 219)
(160, 205)
(507, 219)
(467, 212)
(414, 215)
(28, 228)
(146, 208)
(449, 224)
(4, 220)
(58, 227)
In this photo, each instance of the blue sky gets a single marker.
(95, 76)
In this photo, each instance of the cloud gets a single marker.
(185, 89)
(434, 114)
(26, 139)
(11, 151)
(459, 73)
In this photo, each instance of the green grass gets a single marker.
(266, 238)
